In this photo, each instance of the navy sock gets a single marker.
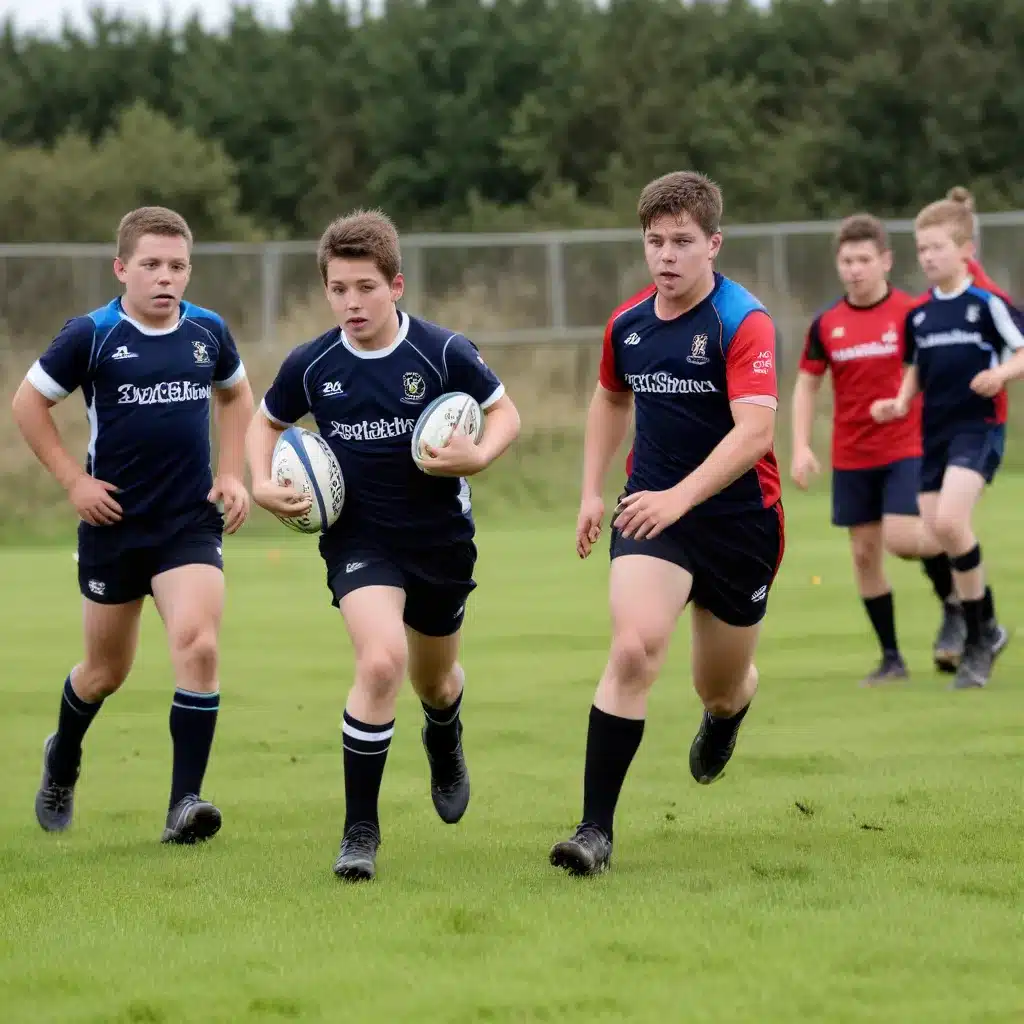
(988, 606)
(364, 752)
(443, 726)
(940, 573)
(612, 742)
(973, 617)
(883, 619)
(193, 722)
(75, 717)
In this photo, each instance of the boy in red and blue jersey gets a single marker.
(700, 520)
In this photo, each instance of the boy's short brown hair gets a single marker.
(863, 227)
(362, 235)
(149, 220)
(955, 212)
(682, 192)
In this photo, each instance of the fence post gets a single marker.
(780, 282)
(270, 292)
(412, 271)
(556, 286)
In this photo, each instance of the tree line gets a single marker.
(509, 114)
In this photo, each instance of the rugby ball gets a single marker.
(304, 459)
(446, 417)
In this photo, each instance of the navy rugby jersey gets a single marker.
(147, 398)
(366, 404)
(683, 374)
(951, 339)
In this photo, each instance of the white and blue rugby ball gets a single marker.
(446, 417)
(304, 459)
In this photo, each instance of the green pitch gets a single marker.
(860, 860)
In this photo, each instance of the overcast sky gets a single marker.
(47, 15)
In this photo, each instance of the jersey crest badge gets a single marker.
(414, 388)
(698, 350)
(201, 352)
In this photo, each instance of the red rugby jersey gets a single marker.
(863, 346)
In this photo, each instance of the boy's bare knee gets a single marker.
(380, 670)
(94, 680)
(194, 651)
(633, 658)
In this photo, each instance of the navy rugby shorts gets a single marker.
(733, 559)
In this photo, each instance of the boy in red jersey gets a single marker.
(875, 467)
(701, 519)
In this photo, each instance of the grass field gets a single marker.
(860, 861)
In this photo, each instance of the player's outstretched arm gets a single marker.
(233, 411)
(607, 424)
(804, 461)
(260, 440)
(93, 499)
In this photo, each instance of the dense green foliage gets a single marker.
(512, 113)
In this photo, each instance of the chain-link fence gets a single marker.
(536, 304)
(503, 289)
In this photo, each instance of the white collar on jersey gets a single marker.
(380, 353)
(153, 332)
(956, 293)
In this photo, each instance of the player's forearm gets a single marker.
(260, 440)
(739, 451)
(908, 388)
(501, 428)
(607, 423)
(35, 421)
(233, 412)
(804, 394)
(1013, 368)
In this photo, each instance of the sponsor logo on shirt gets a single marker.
(164, 393)
(372, 430)
(763, 363)
(663, 383)
(888, 345)
(954, 337)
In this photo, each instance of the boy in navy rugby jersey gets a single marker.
(400, 558)
(964, 343)
(701, 517)
(148, 365)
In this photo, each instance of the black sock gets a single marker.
(940, 573)
(988, 607)
(193, 721)
(883, 619)
(365, 750)
(611, 744)
(732, 720)
(443, 726)
(973, 611)
(75, 717)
